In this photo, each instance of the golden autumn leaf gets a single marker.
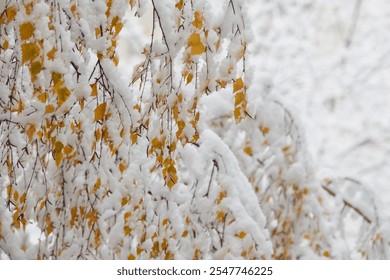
(29, 52)
(248, 150)
(100, 112)
(238, 84)
(239, 98)
(26, 30)
(122, 166)
(23, 198)
(35, 68)
(73, 9)
(237, 114)
(31, 131)
(118, 27)
(196, 44)
(63, 94)
(68, 149)
(58, 146)
(11, 13)
(198, 21)
(179, 5)
(96, 186)
(241, 234)
(42, 97)
(134, 138)
(131, 257)
(58, 158)
(5, 45)
(94, 91)
(127, 230)
(29, 8)
(49, 109)
(51, 54)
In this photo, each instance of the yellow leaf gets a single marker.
(100, 111)
(326, 254)
(26, 30)
(58, 146)
(156, 144)
(237, 113)
(238, 84)
(35, 68)
(196, 45)
(122, 166)
(94, 91)
(127, 230)
(16, 196)
(31, 131)
(248, 150)
(58, 158)
(5, 44)
(11, 13)
(179, 5)
(63, 94)
(49, 109)
(198, 21)
(221, 196)
(131, 257)
(29, 52)
(127, 215)
(51, 54)
(96, 186)
(42, 97)
(23, 198)
(49, 226)
(239, 98)
(73, 9)
(134, 138)
(68, 149)
(241, 234)
(221, 216)
(265, 130)
(29, 8)
(118, 27)
(124, 201)
(57, 79)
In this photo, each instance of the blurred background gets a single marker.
(328, 59)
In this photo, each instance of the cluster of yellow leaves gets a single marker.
(169, 172)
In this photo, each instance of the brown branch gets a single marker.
(347, 203)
